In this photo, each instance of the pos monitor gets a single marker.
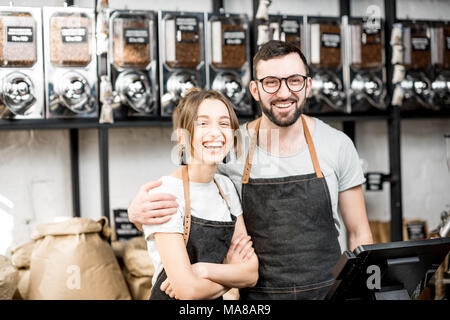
(387, 271)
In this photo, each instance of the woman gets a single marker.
(204, 249)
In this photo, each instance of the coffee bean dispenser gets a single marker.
(416, 84)
(366, 64)
(440, 49)
(325, 53)
(228, 59)
(287, 28)
(21, 66)
(132, 62)
(70, 62)
(181, 56)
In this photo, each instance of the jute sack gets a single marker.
(23, 284)
(71, 260)
(20, 255)
(138, 269)
(20, 258)
(118, 248)
(9, 277)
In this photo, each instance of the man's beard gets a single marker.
(284, 122)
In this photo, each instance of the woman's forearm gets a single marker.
(206, 289)
(234, 275)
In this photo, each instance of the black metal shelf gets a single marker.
(31, 124)
(373, 115)
(425, 114)
(80, 123)
(87, 123)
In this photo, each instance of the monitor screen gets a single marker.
(392, 271)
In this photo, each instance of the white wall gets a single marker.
(34, 181)
(35, 164)
(425, 178)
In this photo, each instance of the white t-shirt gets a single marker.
(206, 203)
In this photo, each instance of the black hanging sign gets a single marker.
(124, 229)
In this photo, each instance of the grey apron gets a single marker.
(291, 224)
(206, 240)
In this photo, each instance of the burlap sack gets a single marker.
(138, 269)
(20, 255)
(22, 287)
(9, 278)
(72, 260)
(20, 258)
(140, 287)
(118, 248)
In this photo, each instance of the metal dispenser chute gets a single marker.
(18, 93)
(133, 88)
(74, 92)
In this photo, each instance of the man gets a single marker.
(295, 174)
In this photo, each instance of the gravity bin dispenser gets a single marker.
(132, 61)
(326, 55)
(287, 28)
(70, 62)
(366, 63)
(181, 56)
(21, 66)
(411, 57)
(440, 49)
(228, 56)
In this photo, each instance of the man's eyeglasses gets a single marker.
(295, 83)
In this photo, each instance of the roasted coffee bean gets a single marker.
(131, 50)
(371, 47)
(188, 46)
(233, 46)
(330, 48)
(17, 40)
(70, 40)
(420, 47)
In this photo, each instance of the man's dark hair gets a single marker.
(277, 48)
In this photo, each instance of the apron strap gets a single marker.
(312, 150)
(222, 194)
(248, 161)
(187, 202)
(309, 142)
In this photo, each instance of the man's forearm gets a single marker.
(353, 211)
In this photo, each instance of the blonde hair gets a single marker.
(185, 114)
